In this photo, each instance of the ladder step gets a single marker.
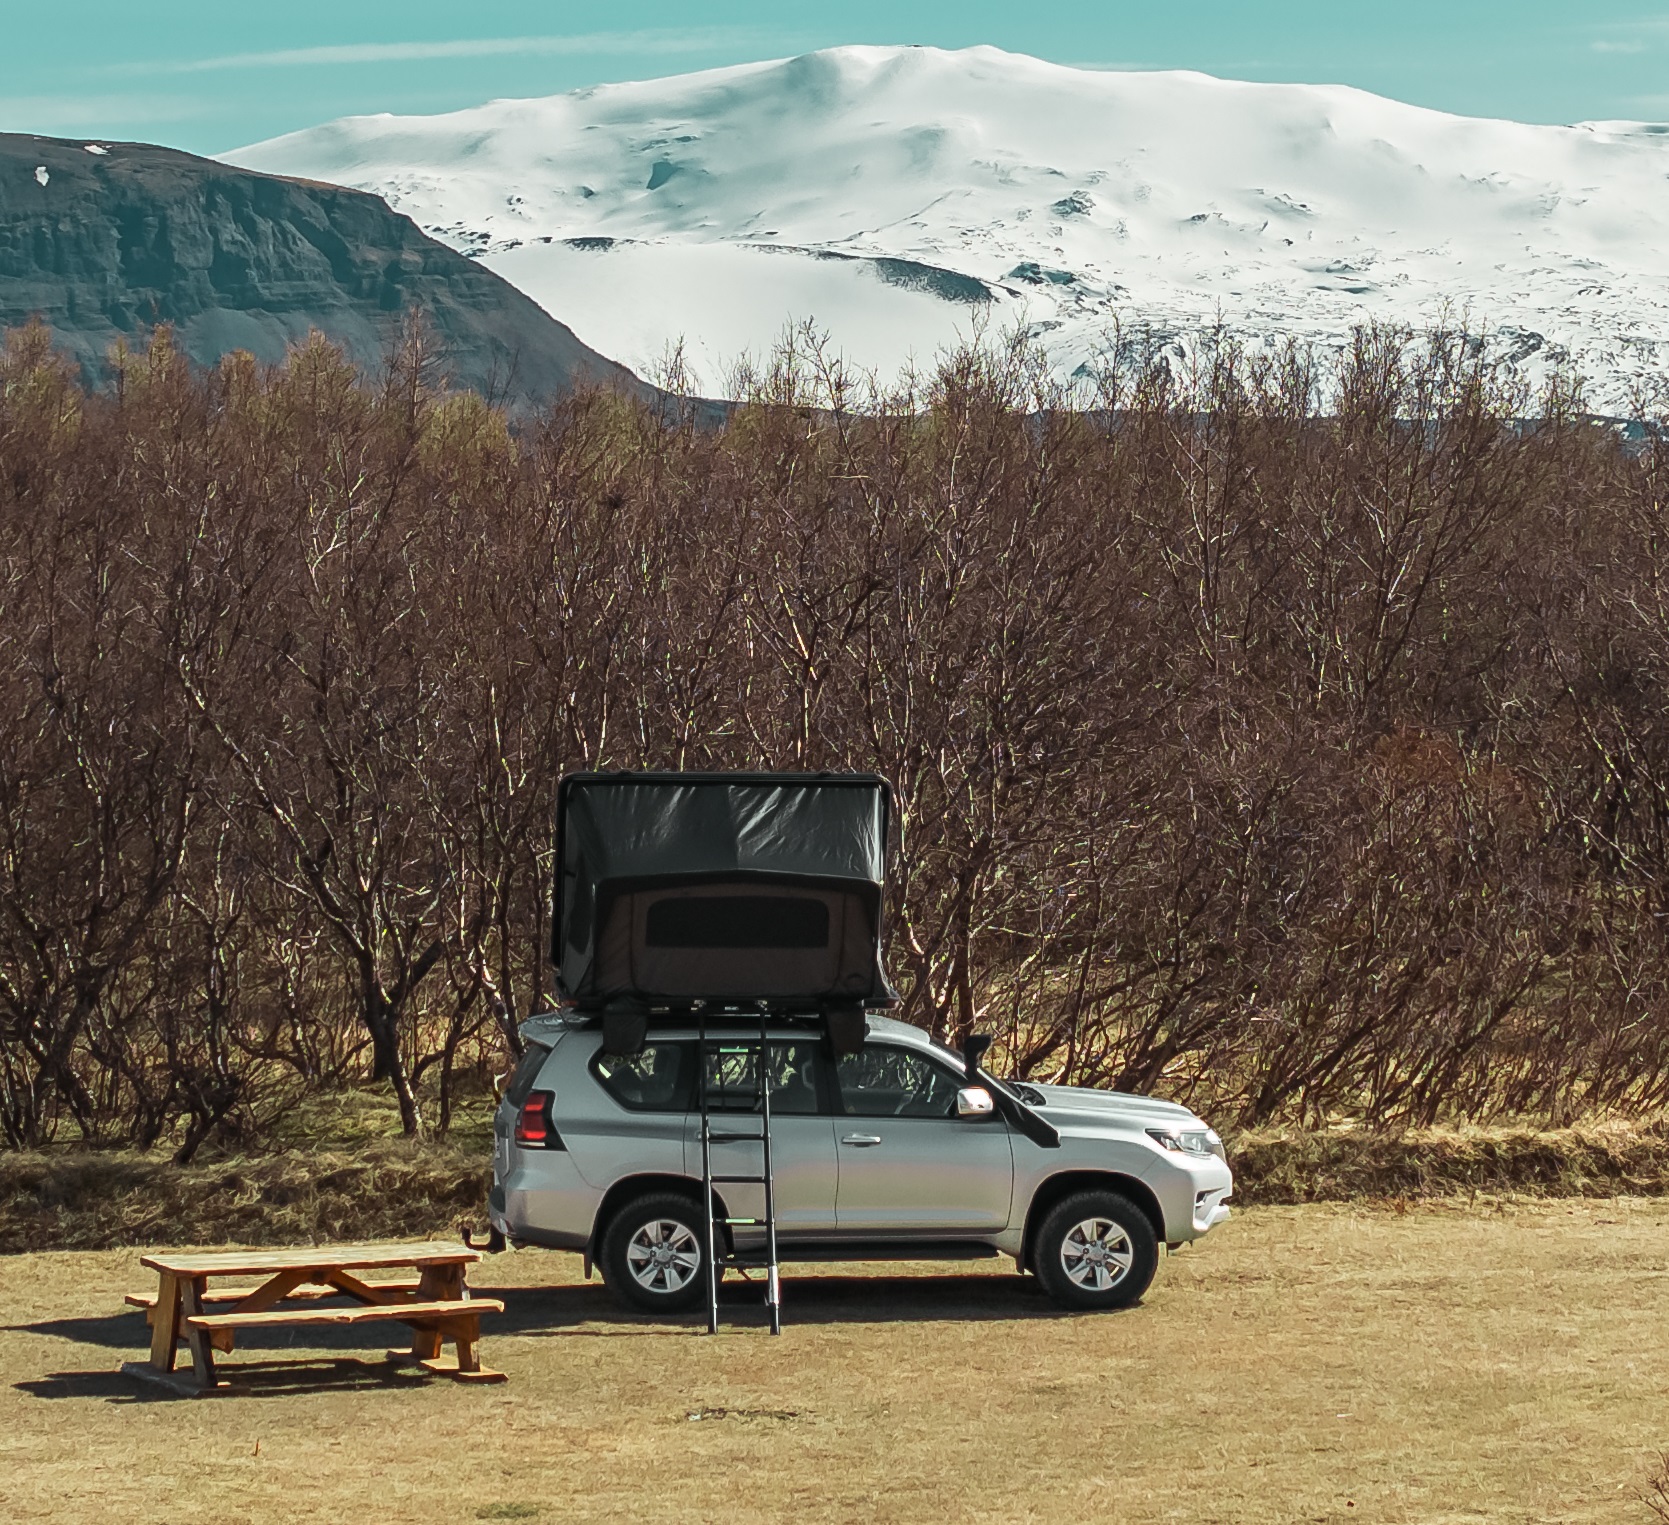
(736, 1138)
(736, 1264)
(752, 1180)
(742, 1222)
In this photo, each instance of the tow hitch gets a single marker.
(493, 1243)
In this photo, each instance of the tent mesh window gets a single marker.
(736, 921)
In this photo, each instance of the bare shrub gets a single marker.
(1291, 742)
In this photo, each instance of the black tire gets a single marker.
(637, 1273)
(1095, 1250)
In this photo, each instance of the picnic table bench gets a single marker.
(435, 1302)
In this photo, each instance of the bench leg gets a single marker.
(464, 1330)
(437, 1284)
(202, 1349)
(425, 1342)
(165, 1323)
(466, 1335)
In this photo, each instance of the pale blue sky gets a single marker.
(211, 77)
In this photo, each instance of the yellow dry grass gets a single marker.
(1450, 1363)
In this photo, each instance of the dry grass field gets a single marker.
(1448, 1363)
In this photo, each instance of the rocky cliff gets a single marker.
(105, 240)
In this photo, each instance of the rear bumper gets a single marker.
(543, 1200)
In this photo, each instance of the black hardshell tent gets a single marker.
(723, 889)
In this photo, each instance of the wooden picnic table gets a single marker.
(435, 1302)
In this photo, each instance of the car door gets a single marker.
(908, 1165)
(802, 1134)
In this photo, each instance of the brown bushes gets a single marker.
(391, 1189)
(1606, 1159)
(1295, 750)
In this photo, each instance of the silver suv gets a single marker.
(889, 1153)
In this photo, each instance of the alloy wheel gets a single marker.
(663, 1255)
(1097, 1254)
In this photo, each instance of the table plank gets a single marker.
(343, 1257)
(437, 1312)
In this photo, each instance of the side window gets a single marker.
(879, 1081)
(733, 1082)
(657, 1080)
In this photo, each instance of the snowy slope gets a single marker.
(901, 196)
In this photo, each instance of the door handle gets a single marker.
(861, 1140)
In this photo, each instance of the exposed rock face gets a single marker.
(103, 245)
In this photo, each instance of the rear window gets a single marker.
(654, 1081)
(526, 1072)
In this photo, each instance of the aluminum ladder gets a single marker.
(718, 1259)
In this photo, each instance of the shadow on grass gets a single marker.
(112, 1331)
(532, 1312)
(242, 1379)
(111, 1386)
(584, 1311)
(549, 1312)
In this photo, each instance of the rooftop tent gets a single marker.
(727, 888)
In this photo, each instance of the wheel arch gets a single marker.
(1057, 1188)
(628, 1189)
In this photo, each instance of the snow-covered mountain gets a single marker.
(900, 197)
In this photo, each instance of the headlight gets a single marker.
(1200, 1141)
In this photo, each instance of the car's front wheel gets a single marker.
(654, 1254)
(1095, 1249)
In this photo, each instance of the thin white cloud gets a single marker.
(1625, 37)
(580, 44)
(74, 114)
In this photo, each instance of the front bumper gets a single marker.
(1193, 1192)
(1211, 1208)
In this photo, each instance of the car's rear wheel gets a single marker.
(654, 1253)
(1095, 1249)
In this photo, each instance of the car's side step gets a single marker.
(924, 1249)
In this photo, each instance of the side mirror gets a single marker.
(974, 1101)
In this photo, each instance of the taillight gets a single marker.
(534, 1128)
